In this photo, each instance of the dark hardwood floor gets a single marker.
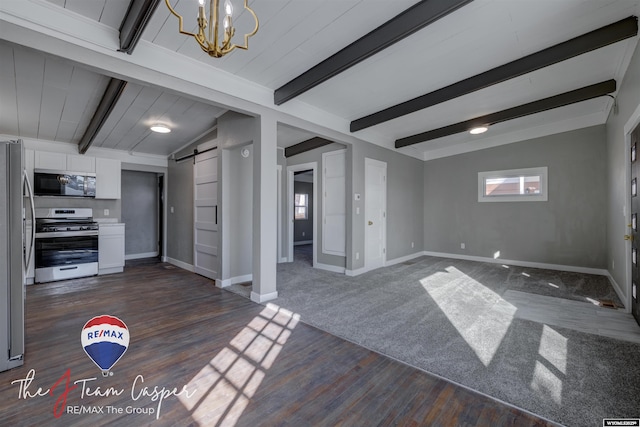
(201, 356)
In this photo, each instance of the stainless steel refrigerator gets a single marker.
(14, 252)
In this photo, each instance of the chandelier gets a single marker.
(211, 41)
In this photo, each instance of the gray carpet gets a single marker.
(447, 317)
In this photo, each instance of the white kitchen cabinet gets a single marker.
(110, 248)
(107, 178)
(77, 163)
(29, 164)
(53, 161)
(64, 162)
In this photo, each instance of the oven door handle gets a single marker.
(66, 234)
(75, 267)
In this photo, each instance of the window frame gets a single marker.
(305, 206)
(542, 172)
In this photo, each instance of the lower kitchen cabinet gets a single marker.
(110, 248)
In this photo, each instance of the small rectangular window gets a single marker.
(301, 206)
(515, 185)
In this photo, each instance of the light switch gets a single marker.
(106, 212)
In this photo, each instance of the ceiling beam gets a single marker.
(109, 99)
(596, 39)
(308, 145)
(578, 95)
(397, 28)
(134, 23)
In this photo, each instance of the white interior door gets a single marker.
(375, 214)
(334, 204)
(205, 222)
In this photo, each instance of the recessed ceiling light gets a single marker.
(160, 128)
(478, 130)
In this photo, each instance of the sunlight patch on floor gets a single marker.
(551, 368)
(227, 383)
(479, 315)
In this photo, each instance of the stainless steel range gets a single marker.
(66, 244)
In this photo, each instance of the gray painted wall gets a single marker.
(404, 203)
(628, 98)
(140, 211)
(241, 211)
(305, 226)
(310, 157)
(568, 229)
(235, 195)
(180, 221)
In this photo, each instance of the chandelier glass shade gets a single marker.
(210, 39)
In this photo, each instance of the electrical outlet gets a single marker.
(413, 244)
(357, 210)
(303, 234)
(462, 245)
(357, 255)
(171, 209)
(106, 212)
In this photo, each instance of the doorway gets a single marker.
(141, 212)
(303, 217)
(304, 208)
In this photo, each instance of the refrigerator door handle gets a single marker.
(28, 258)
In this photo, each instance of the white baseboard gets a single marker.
(359, 271)
(303, 242)
(110, 270)
(260, 298)
(403, 259)
(141, 255)
(328, 267)
(559, 267)
(621, 295)
(180, 264)
(233, 280)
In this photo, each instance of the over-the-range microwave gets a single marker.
(63, 183)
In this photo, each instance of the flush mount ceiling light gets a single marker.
(210, 41)
(160, 128)
(478, 130)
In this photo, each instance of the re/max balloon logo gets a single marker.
(105, 339)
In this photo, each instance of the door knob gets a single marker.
(370, 222)
(628, 237)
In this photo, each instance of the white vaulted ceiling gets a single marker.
(294, 36)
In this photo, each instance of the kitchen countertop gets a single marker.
(107, 221)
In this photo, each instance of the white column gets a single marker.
(265, 195)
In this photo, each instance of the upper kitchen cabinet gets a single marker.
(64, 162)
(53, 161)
(77, 163)
(29, 163)
(107, 178)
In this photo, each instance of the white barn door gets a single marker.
(205, 240)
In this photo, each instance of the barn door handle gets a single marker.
(628, 237)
